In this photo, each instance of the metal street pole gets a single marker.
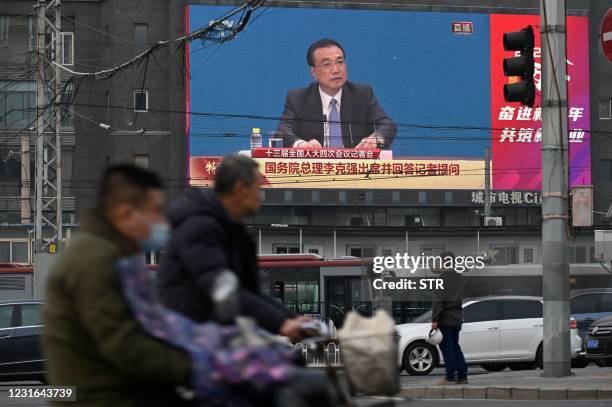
(487, 195)
(555, 267)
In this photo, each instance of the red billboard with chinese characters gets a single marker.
(517, 130)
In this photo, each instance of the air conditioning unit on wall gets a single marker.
(493, 221)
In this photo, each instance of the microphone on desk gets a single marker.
(325, 132)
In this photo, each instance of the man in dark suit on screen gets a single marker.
(332, 112)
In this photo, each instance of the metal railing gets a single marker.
(305, 307)
(321, 355)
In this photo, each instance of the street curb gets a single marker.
(580, 394)
(504, 393)
(525, 393)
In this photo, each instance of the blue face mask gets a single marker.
(158, 237)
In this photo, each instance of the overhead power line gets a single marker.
(219, 30)
(222, 115)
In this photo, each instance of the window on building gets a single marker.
(458, 217)
(360, 251)
(430, 217)
(361, 217)
(367, 216)
(68, 110)
(429, 249)
(505, 254)
(141, 160)
(448, 197)
(380, 217)
(534, 216)
(10, 171)
(507, 214)
(68, 217)
(140, 33)
(357, 221)
(528, 255)
(10, 216)
(17, 104)
(397, 216)
(521, 216)
(271, 215)
(283, 248)
(17, 38)
(299, 216)
(14, 251)
(605, 108)
(301, 291)
(141, 100)
(19, 252)
(300, 296)
(592, 258)
(4, 34)
(67, 56)
(413, 220)
(577, 254)
(605, 166)
(422, 197)
(314, 249)
(5, 252)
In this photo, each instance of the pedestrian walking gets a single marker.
(447, 316)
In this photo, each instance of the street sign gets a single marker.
(606, 35)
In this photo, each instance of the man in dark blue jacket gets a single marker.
(447, 316)
(208, 237)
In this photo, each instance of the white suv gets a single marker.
(497, 332)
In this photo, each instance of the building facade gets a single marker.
(130, 117)
(139, 116)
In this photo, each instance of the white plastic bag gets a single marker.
(369, 350)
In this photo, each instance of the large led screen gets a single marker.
(427, 86)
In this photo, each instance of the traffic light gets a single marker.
(521, 66)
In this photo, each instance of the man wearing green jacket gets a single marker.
(91, 339)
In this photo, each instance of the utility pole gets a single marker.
(41, 9)
(487, 194)
(48, 218)
(58, 58)
(555, 266)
